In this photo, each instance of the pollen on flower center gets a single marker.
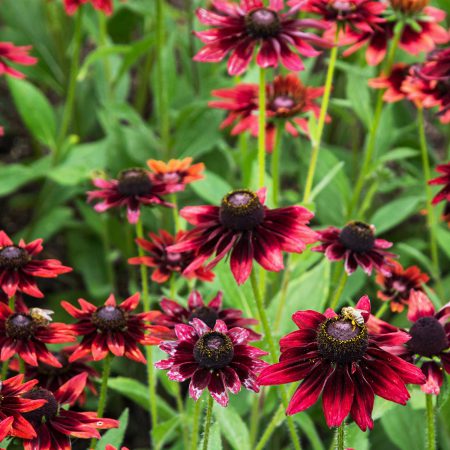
(19, 326)
(428, 337)
(134, 182)
(46, 412)
(109, 318)
(13, 257)
(357, 236)
(214, 350)
(341, 341)
(241, 210)
(263, 23)
(205, 314)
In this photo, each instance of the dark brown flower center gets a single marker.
(109, 318)
(134, 182)
(241, 210)
(46, 412)
(428, 337)
(13, 257)
(19, 326)
(205, 314)
(214, 350)
(283, 102)
(263, 23)
(357, 236)
(342, 341)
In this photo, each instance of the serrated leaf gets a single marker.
(114, 436)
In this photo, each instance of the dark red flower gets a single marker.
(9, 53)
(446, 213)
(13, 407)
(18, 268)
(397, 287)
(26, 332)
(177, 173)
(337, 357)
(174, 313)
(102, 5)
(357, 245)
(55, 425)
(113, 328)
(444, 193)
(392, 83)
(239, 28)
(247, 229)
(217, 358)
(133, 188)
(167, 263)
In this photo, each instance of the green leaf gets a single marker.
(307, 426)
(52, 222)
(115, 436)
(359, 95)
(161, 433)
(443, 238)
(233, 429)
(14, 176)
(215, 441)
(399, 154)
(212, 188)
(356, 439)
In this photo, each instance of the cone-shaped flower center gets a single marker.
(214, 350)
(409, 6)
(357, 236)
(241, 210)
(283, 102)
(46, 412)
(205, 314)
(342, 341)
(428, 337)
(19, 326)
(109, 318)
(13, 257)
(263, 23)
(134, 182)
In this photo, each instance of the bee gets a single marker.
(355, 315)
(41, 316)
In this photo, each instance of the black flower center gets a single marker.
(134, 182)
(263, 23)
(342, 341)
(428, 337)
(46, 412)
(19, 326)
(241, 210)
(357, 236)
(205, 314)
(283, 102)
(214, 350)
(13, 257)
(109, 318)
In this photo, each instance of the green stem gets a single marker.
(338, 292)
(283, 294)
(262, 127)
(254, 417)
(431, 432)
(5, 367)
(176, 217)
(274, 423)
(208, 422)
(382, 310)
(103, 42)
(182, 413)
(21, 365)
(12, 303)
(431, 222)
(189, 5)
(321, 123)
(340, 437)
(276, 162)
(195, 423)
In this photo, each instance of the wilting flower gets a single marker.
(18, 268)
(357, 245)
(239, 28)
(398, 286)
(392, 83)
(168, 263)
(26, 332)
(444, 193)
(177, 173)
(247, 229)
(54, 424)
(9, 53)
(13, 407)
(102, 5)
(113, 328)
(217, 358)
(174, 313)
(337, 357)
(133, 188)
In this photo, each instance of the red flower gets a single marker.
(219, 359)
(337, 357)
(113, 328)
(444, 193)
(2, 131)
(357, 245)
(102, 5)
(55, 425)
(392, 83)
(176, 174)
(398, 286)
(174, 313)
(247, 229)
(13, 407)
(133, 188)
(18, 55)
(110, 447)
(25, 333)
(239, 28)
(18, 267)
(168, 263)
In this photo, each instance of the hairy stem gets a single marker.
(262, 127)
(276, 162)
(431, 432)
(208, 422)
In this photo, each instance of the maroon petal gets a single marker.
(435, 378)
(308, 319)
(363, 400)
(241, 261)
(419, 306)
(199, 381)
(231, 380)
(217, 388)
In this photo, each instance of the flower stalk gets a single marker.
(431, 432)
(195, 423)
(339, 290)
(262, 127)
(340, 437)
(208, 422)
(276, 163)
